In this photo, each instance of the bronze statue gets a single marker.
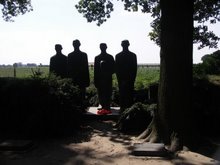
(78, 68)
(126, 71)
(103, 69)
(58, 63)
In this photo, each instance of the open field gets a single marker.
(145, 75)
(22, 72)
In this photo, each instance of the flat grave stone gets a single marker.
(149, 149)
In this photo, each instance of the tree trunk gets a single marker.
(174, 103)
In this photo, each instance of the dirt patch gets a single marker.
(97, 143)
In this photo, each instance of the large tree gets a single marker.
(176, 40)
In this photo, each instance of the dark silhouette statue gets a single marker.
(58, 63)
(103, 69)
(78, 68)
(126, 70)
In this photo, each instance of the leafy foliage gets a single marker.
(39, 106)
(94, 10)
(206, 105)
(137, 117)
(210, 64)
(100, 11)
(12, 8)
(204, 11)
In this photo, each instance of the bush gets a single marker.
(136, 118)
(36, 107)
(206, 106)
(210, 65)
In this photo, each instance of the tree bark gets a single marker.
(174, 103)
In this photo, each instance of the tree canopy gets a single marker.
(12, 8)
(205, 11)
(211, 63)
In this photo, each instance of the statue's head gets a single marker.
(125, 43)
(103, 47)
(58, 47)
(76, 43)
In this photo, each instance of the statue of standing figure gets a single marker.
(78, 68)
(58, 63)
(104, 65)
(126, 71)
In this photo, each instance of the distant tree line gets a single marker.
(19, 64)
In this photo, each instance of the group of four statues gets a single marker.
(75, 66)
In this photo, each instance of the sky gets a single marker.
(31, 37)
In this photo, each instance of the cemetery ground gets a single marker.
(98, 143)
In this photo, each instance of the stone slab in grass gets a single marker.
(15, 145)
(149, 149)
